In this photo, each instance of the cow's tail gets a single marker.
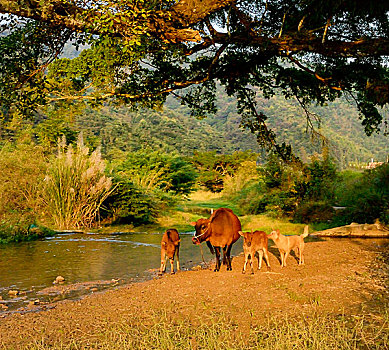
(306, 232)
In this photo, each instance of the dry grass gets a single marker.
(75, 186)
(220, 332)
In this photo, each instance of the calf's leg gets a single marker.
(260, 258)
(246, 259)
(178, 257)
(162, 269)
(172, 265)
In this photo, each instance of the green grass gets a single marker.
(194, 209)
(262, 222)
(14, 233)
(217, 331)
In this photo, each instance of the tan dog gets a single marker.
(170, 246)
(254, 242)
(287, 243)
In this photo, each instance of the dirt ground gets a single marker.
(340, 276)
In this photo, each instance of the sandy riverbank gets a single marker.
(341, 276)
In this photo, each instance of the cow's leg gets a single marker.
(228, 257)
(224, 256)
(172, 265)
(217, 251)
(178, 257)
(210, 246)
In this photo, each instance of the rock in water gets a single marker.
(59, 279)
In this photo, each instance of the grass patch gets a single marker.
(15, 233)
(217, 331)
(262, 222)
(194, 209)
(202, 203)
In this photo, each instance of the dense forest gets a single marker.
(172, 129)
(77, 166)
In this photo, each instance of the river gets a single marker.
(88, 262)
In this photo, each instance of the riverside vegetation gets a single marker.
(73, 186)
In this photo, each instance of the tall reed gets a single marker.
(75, 185)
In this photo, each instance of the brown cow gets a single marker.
(170, 245)
(219, 231)
(255, 242)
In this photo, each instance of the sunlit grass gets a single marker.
(194, 209)
(217, 331)
(265, 223)
(204, 196)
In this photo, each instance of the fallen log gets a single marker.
(376, 230)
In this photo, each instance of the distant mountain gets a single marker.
(339, 128)
(173, 130)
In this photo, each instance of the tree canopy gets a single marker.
(140, 51)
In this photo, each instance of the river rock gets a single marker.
(34, 302)
(13, 292)
(59, 279)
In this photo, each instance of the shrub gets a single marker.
(314, 212)
(23, 166)
(244, 176)
(75, 186)
(128, 204)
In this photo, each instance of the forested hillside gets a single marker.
(172, 129)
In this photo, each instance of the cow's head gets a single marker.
(274, 234)
(202, 230)
(247, 238)
(170, 248)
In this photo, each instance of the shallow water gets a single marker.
(31, 267)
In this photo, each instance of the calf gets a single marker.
(254, 242)
(170, 245)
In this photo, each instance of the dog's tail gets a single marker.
(306, 231)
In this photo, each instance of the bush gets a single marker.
(23, 166)
(314, 212)
(128, 204)
(75, 186)
(366, 209)
(277, 203)
(367, 196)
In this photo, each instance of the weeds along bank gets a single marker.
(76, 187)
